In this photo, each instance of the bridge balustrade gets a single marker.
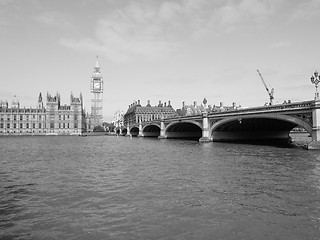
(305, 114)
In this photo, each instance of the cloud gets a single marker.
(306, 10)
(154, 29)
(54, 19)
(85, 45)
(237, 15)
(6, 2)
(169, 10)
(281, 44)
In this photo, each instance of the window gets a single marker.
(14, 125)
(8, 125)
(27, 125)
(1, 125)
(52, 125)
(75, 125)
(21, 125)
(14, 117)
(33, 125)
(21, 117)
(39, 125)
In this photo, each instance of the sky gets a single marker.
(168, 50)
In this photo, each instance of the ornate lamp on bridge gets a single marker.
(315, 80)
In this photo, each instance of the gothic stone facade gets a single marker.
(54, 119)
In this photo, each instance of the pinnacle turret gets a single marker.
(40, 98)
(97, 66)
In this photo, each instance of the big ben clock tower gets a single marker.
(96, 86)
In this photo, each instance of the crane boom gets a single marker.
(265, 85)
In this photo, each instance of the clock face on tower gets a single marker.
(96, 85)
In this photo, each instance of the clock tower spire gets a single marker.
(96, 86)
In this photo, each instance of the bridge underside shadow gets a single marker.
(124, 132)
(134, 131)
(151, 131)
(184, 130)
(254, 130)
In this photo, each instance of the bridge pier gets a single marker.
(315, 143)
(140, 130)
(206, 129)
(128, 131)
(162, 130)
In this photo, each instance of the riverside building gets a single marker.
(53, 118)
(50, 119)
(118, 119)
(137, 113)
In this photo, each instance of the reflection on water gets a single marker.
(121, 188)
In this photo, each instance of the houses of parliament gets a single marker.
(52, 117)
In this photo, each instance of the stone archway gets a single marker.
(259, 127)
(184, 130)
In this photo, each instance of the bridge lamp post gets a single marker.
(315, 80)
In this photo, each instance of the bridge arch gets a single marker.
(184, 130)
(151, 130)
(256, 127)
(124, 131)
(134, 131)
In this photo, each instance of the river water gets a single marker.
(106, 187)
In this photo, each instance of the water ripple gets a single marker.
(122, 188)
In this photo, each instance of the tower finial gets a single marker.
(97, 68)
(97, 63)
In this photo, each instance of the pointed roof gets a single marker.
(97, 64)
(97, 72)
(40, 97)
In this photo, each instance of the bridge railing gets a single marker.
(271, 108)
(289, 106)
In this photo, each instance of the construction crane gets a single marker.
(265, 85)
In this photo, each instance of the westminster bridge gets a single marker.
(273, 122)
